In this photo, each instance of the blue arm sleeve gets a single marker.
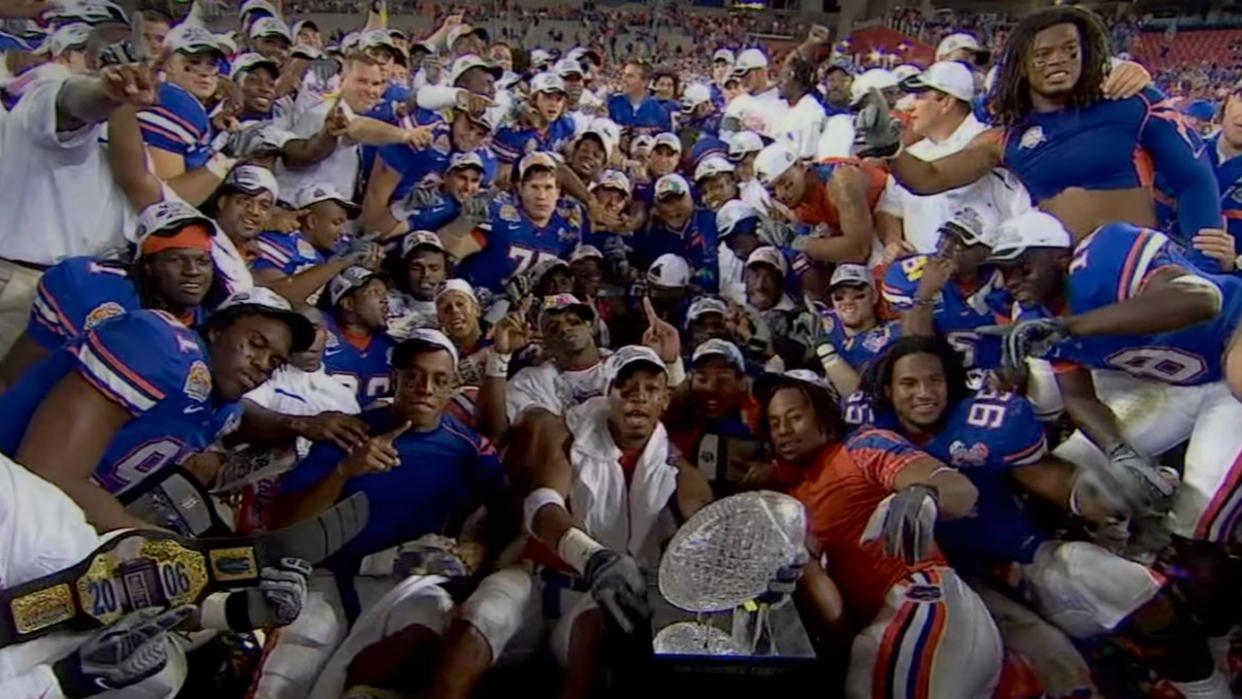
(318, 465)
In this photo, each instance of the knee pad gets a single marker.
(498, 606)
(430, 607)
(301, 650)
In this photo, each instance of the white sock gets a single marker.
(1218, 646)
(1213, 687)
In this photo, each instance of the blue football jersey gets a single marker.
(649, 117)
(512, 142)
(152, 366)
(178, 123)
(697, 242)
(958, 311)
(515, 245)
(364, 367)
(860, 349)
(433, 216)
(288, 253)
(1111, 265)
(985, 437)
(1229, 178)
(1111, 144)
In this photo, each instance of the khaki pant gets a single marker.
(17, 292)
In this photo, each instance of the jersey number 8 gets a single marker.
(1160, 363)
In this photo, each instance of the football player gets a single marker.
(359, 346)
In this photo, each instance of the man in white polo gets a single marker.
(943, 120)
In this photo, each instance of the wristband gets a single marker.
(536, 500)
(497, 366)
(212, 612)
(576, 548)
(220, 164)
(676, 372)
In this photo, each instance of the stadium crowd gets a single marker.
(391, 365)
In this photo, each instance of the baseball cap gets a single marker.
(642, 145)
(766, 382)
(768, 255)
(91, 12)
(968, 225)
(614, 179)
(723, 55)
(1199, 109)
(253, 179)
(732, 213)
(167, 215)
(465, 30)
(669, 270)
(716, 347)
(949, 77)
(673, 184)
(310, 53)
(748, 60)
(191, 38)
(558, 303)
(1033, 229)
(906, 70)
(468, 159)
(249, 61)
(539, 57)
(585, 252)
(744, 143)
(669, 139)
(568, 66)
(773, 161)
(630, 355)
(315, 192)
(470, 61)
(543, 267)
(263, 7)
(581, 54)
(605, 138)
(349, 279)
(707, 147)
(694, 95)
(421, 239)
(546, 82)
(711, 167)
(851, 275)
(377, 38)
(704, 305)
(301, 24)
(537, 158)
(955, 42)
(461, 286)
(270, 27)
(66, 38)
(843, 65)
(877, 78)
(264, 301)
(435, 338)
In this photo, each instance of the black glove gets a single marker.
(1134, 484)
(281, 594)
(619, 587)
(249, 142)
(128, 652)
(906, 521)
(876, 133)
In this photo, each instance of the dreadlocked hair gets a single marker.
(879, 376)
(1011, 96)
(822, 402)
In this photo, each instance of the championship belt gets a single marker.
(150, 568)
(175, 500)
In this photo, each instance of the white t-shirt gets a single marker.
(997, 197)
(801, 126)
(56, 188)
(339, 169)
(545, 386)
(291, 391)
(837, 139)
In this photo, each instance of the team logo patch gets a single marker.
(1237, 195)
(1032, 137)
(924, 593)
(874, 342)
(187, 345)
(442, 144)
(102, 312)
(566, 235)
(305, 249)
(532, 145)
(973, 455)
(198, 381)
(509, 212)
(231, 423)
(573, 215)
(827, 322)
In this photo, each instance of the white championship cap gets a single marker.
(957, 42)
(669, 270)
(732, 213)
(716, 347)
(712, 166)
(768, 255)
(851, 275)
(772, 162)
(1033, 229)
(949, 77)
(748, 60)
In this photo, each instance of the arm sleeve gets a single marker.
(891, 200)
(531, 388)
(138, 359)
(318, 465)
(173, 125)
(507, 144)
(1025, 441)
(272, 255)
(901, 281)
(35, 116)
(1180, 157)
(882, 455)
(437, 97)
(54, 316)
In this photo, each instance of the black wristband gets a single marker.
(73, 682)
(237, 611)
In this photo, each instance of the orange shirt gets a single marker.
(817, 206)
(840, 493)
